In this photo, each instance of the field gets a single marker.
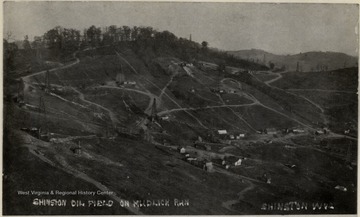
(342, 80)
(129, 135)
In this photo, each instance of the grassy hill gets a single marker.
(334, 91)
(308, 61)
(197, 92)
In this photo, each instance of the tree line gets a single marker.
(62, 42)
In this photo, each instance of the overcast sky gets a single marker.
(277, 28)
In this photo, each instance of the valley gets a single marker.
(149, 125)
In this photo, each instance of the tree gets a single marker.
(53, 38)
(26, 43)
(271, 65)
(112, 34)
(10, 50)
(70, 39)
(204, 45)
(134, 33)
(94, 36)
(145, 33)
(221, 67)
(127, 33)
(38, 45)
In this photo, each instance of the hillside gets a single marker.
(141, 118)
(308, 61)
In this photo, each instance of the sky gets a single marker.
(278, 28)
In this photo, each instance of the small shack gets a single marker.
(208, 166)
(298, 130)
(76, 150)
(182, 150)
(164, 118)
(222, 132)
(271, 131)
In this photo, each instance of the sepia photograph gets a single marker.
(180, 108)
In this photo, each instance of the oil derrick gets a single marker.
(297, 67)
(348, 155)
(38, 56)
(47, 81)
(264, 59)
(120, 77)
(43, 118)
(21, 90)
(147, 136)
(153, 113)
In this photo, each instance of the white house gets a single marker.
(238, 163)
(165, 118)
(182, 150)
(222, 132)
(298, 131)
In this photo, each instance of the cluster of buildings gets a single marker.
(222, 91)
(182, 64)
(201, 163)
(322, 131)
(230, 161)
(224, 135)
(120, 80)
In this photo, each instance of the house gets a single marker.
(231, 91)
(182, 150)
(267, 178)
(208, 166)
(268, 181)
(192, 90)
(232, 160)
(271, 131)
(231, 136)
(341, 188)
(326, 130)
(76, 150)
(130, 82)
(241, 135)
(319, 132)
(164, 118)
(222, 132)
(298, 131)
(191, 159)
(238, 163)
